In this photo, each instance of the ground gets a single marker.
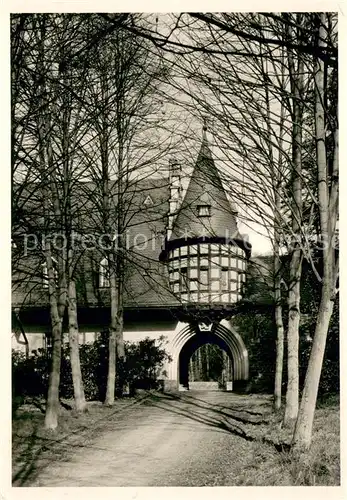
(187, 439)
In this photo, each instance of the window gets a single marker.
(215, 260)
(233, 275)
(224, 279)
(215, 286)
(148, 201)
(193, 262)
(204, 248)
(204, 210)
(104, 277)
(240, 282)
(215, 249)
(175, 264)
(225, 261)
(183, 251)
(203, 279)
(193, 285)
(184, 278)
(215, 272)
(45, 272)
(183, 262)
(233, 263)
(193, 273)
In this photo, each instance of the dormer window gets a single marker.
(204, 210)
(148, 201)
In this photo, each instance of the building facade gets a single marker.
(187, 265)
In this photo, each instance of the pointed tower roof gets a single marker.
(206, 210)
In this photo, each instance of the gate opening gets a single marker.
(205, 363)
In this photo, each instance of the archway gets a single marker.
(222, 334)
(196, 365)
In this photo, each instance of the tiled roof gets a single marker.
(205, 188)
(146, 281)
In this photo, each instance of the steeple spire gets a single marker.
(205, 208)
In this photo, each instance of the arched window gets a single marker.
(45, 279)
(104, 275)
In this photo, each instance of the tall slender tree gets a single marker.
(328, 187)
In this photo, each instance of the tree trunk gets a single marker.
(304, 423)
(112, 340)
(52, 404)
(225, 375)
(292, 395)
(80, 402)
(200, 364)
(57, 292)
(277, 175)
(119, 310)
(278, 308)
(296, 78)
(279, 357)
(111, 374)
(120, 352)
(328, 211)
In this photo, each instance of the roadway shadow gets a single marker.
(36, 450)
(225, 421)
(226, 411)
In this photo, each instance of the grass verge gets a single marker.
(34, 447)
(271, 463)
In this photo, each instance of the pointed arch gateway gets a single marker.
(188, 338)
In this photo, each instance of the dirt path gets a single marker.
(164, 441)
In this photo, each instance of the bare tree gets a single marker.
(123, 104)
(327, 184)
(45, 144)
(296, 76)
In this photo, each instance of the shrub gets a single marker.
(30, 375)
(143, 363)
